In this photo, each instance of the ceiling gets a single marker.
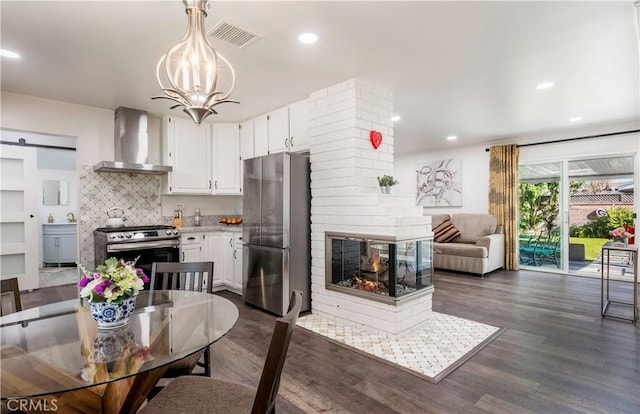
(463, 68)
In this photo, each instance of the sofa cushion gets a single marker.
(473, 226)
(445, 232)
(461, 250)
(438, 218)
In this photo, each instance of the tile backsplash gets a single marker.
(137, 194)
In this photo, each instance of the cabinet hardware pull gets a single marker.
(285, 142)
(230, 242)
(291, 142)
(183, 256)
(209, 184)
(191, 238)
(216, 186)
(234, 254)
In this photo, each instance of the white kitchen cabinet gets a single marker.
(212, 251)
(299, 126)
(278, 122)
(191, 247)
(261, 135)
(60, 243)
(246, 140)
(227, 259)
(226, 158)
(237, 263)
(187, 148)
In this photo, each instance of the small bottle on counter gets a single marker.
(196, 217)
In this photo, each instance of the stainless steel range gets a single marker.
(147, 243)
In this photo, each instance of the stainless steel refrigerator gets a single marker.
(276, 212)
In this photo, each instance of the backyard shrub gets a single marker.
(600, 226)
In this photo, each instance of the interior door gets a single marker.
(19, 227)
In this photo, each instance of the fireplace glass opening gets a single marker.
(377, 267)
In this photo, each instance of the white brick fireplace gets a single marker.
(346, 198)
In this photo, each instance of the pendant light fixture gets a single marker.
(192, 69)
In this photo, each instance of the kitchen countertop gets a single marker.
(234, 228)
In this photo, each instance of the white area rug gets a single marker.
(431, 351)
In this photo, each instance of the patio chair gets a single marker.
(549, 249)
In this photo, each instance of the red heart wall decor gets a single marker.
(376, 139)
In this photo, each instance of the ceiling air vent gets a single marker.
(233, 35)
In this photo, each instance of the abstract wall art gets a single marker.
(438, 184)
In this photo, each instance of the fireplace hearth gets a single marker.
(380, 268)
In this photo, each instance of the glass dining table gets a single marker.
(53, 358)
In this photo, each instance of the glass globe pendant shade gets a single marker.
(191, 70)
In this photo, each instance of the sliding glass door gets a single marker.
(542, 216)
(570, 208)
(601, 200)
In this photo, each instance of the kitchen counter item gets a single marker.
(116, 218)
(196, 217)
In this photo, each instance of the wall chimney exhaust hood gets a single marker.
(131, 146)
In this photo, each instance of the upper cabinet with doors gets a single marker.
(282, 130)
(261, 135)
(187, 148)
(278, 122)
(246, 140)
(226, 159)
(299, 126)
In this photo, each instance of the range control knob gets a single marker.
(129, 235)
(120, 235)
(168, 232)
(175, 232)
(112, 236)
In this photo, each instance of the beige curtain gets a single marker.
(503, 197)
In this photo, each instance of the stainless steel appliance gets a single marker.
(149, 243)
(131, 141)
(276, 231)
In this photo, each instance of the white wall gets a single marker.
(475, 160)
(93, 128)
(474, 172)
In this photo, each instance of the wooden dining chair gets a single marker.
(184, 276)
(11, 286)
(213, 395)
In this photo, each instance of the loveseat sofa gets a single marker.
(466, 242)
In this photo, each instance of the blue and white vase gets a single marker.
(109, 315)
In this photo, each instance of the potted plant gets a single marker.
(111, 291)
(386, 182)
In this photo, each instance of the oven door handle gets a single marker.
(121, 247)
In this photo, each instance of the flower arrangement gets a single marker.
(387, 181)
(619, 233)
(113, 281)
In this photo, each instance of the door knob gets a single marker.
(31, 216)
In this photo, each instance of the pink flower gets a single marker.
(619, 233)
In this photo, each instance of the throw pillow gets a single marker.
(445, 232)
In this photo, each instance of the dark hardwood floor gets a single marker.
(557, 356)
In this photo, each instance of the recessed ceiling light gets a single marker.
(452, 138)
(308, 38)
(9, 54)
(545, 85)
(395, 118)
(575, 119)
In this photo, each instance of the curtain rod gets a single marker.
(575, 139)
(23, 143)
